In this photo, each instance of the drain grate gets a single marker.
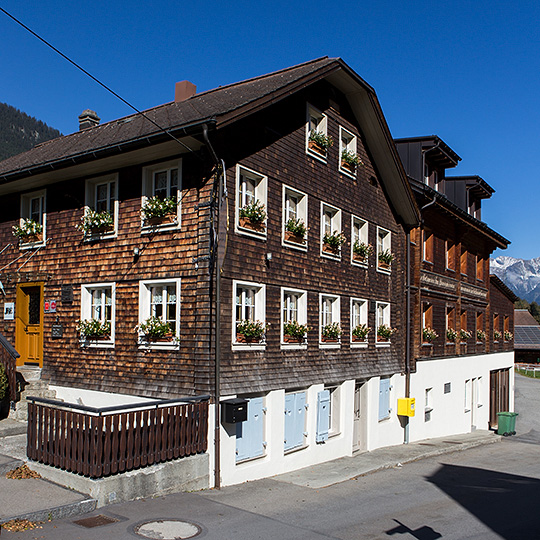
(95, 521)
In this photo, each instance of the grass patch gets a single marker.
(531, 373)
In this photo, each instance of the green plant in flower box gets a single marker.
(334, 240)
(331, 331)
(297, 227)
(451, 334)
(464, 335)
(429, 335)
(295, 330)
(254, 212)
(155, 207)
(508, 336)
(480, 335)
(350, 158)
(27, 228)
(496, 335)
(386, 257)
(384, 332)
(361, 331)
(249, 330)
(93, 221)
(322, 140)
(93, 328)
(362, 250)
(154, 328)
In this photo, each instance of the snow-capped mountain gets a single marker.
(522, 276)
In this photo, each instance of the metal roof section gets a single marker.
(475, 184)
(436, 151)
(527, 337)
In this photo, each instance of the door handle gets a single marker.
(26, 329)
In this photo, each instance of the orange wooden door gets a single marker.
(29, 324)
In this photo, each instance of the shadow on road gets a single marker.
(422, 533)
(506, 503)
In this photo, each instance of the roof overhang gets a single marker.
(437, 153)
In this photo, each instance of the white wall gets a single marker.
(92, 398)
(450, 415)
(275, 460)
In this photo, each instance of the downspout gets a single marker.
(214, 264)
(408, 331)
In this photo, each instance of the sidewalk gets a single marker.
(40, 500)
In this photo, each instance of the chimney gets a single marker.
(184, 90)
(88, 119)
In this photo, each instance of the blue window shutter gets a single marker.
(323, 416)
(289, 420)
(256, 425)
(249, 434)
(384, 399)
(300, 418)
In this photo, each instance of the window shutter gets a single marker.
(384, 399)
(300, 420)
(289, 421)
(323, 416)
(249, 434)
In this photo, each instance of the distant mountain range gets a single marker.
(522, 276)
(20, 132)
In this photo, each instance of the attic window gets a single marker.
(317, 139)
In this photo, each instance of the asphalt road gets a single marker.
(484, 493)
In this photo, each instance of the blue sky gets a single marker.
(468, 71)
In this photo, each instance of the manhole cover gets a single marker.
(95, 521)
(168, 529)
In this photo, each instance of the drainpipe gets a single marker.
(217, 192)
(408, 331)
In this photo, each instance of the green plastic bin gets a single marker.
(507, 423)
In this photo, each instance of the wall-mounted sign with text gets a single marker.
(9, 311)
(50, 306)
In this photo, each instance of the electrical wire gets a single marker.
(95, 79)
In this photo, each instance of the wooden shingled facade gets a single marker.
(270, 140)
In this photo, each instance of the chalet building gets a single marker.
(462, 318)
(251, 243)
(527, 337)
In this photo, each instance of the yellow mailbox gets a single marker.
(405, 406)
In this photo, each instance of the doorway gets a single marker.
(29, 324)
(359, 420)
(499, 395)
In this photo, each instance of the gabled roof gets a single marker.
(437, 152)
(477, 185)
(522, 317)
(218, 108)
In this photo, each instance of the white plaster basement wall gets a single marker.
(450, 415)
(92, 398)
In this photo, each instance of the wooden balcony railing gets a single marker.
(98, 442)
(8, 358)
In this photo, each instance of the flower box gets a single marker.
(294, 238)
(316, 147)
(359, 258)
(31, 238)
(168, 337)
(384, 265)
(330, 249)
(383, 339)
(292, 339)
(359, 340)
(349, 167)
(241, 338)
(246, 223)
(166, 219)
(325, 339)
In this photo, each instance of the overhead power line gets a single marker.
(95, 79)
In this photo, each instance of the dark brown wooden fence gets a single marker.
(100, 442)
(8, 358)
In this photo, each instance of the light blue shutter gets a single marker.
(289, 421)
(323, 416)
(300, 420)
(384, 399)
(249, 434)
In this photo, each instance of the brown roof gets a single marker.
(522, 317)
(213, 105)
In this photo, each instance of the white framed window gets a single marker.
(384, 399)
(102, 197)
(316, 128)
(294, 313)
(33, 216)
(295, 214)
(382, 319)
(159, 300)
(162, 182)
(251, 202)
(347, 152)
(359, 320)
(335, 405)
(249, 306)
(360, 247)
(384, 249)
(98, 304)
(328, 414)
(330, 229)
(329, 320)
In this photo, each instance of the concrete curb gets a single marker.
(6, 466)
(57, 512)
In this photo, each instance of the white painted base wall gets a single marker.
(92, 398)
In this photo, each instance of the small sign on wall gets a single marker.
(50, 306)
(9, 311)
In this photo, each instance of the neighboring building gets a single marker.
(462, 325)
(526, 337)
